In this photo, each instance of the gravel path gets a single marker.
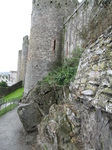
(11, 132)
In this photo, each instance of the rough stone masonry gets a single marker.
(22, 60)
(92, 89)
(46, 38)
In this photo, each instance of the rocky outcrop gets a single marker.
(96, 129)
(46, 95)
(60, 129)
(39, 100)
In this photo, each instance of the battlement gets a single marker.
(56, 3)
(25, 38)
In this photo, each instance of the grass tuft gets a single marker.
(13, 99)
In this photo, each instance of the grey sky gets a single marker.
(15, 21)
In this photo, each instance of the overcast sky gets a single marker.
(15, 21)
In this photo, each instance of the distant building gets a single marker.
(10, 78)
(13, 77)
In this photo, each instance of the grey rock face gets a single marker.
(45, 96)
(88, 92)
(75, 126)
(96, 129)
(93, 91)
(60, 128)
(30, 116)
(93, 80)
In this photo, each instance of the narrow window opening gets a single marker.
(67, 49)
(51, 1)
(65, 3)
(54, 48)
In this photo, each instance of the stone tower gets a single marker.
(19, 66)
(22, 60)
(25, 46)
(45, 43)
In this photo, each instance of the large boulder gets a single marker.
(30, 115)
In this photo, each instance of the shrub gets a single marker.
(63, 75)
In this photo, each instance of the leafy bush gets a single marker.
(63, 75)
(3, 84)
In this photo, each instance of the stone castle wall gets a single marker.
(19, 66)
(75, 23)
(45, 44)
(85, 121)
(85, 24)
(25, 46)
(22, 60)
(50, 41)
(92, 88)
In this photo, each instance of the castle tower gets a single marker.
(19, 66)
(45, 43)
(25, 46)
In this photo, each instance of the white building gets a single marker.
(10, 79)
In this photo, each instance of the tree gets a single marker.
(3, 84)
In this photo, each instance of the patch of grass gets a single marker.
(16, 94)
(13, 98)
(7, 109)
(63, 75)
